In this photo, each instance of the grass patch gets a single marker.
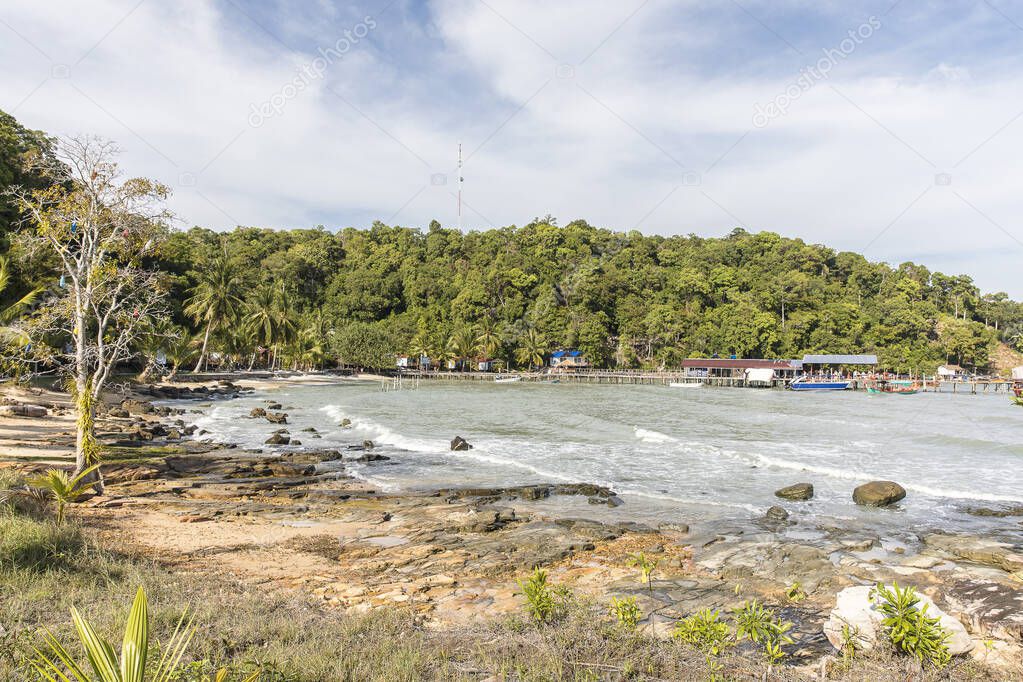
(292, 638)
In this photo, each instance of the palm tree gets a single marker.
(11, 312)
(180, 350)
(284, 318)
(462, 344)
(531, 349)
(215, 300)
(487, 337)
(261, 320)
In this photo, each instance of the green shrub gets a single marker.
(38, 545)
(625, 612)
(909, 628)
(706, 631)
(762, 627)
(543, 603)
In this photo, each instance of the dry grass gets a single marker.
(293, 639)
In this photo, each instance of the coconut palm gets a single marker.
(462, 345)
(487, 337)
(10, 313)
(531, 349)
(180, 350)
(215, 300)
(260, 319)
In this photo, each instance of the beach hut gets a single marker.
(952, 373)
(485, 365)
(1017, 373)
(568, 359)
(819, 365)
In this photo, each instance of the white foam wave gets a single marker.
(651, 436)
(383, 435)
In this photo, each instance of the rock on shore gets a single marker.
(798, 492)
(878, 493)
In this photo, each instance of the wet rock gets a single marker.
(173, 434)
(535, 492)
(311, 429)
(291, 469)
(273, 406)
(878, 493)
(777, 513)
(132, 406)
(459, 444)
(370, 457)
(278, 439)
(345, 423)
(296, 442)
(367, 444)
(1001, 555)
(997, 512)
(118, 412)
(797, 492)
(257, 412)
(675, 527)
(190, 429)
(277, 417)
(856, 610)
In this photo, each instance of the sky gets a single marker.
(893, 128)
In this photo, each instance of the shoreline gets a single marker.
(295, 521)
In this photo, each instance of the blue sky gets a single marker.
(631, 114)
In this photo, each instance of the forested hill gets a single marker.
(625, 299)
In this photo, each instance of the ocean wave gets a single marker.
(383, 435)
(651, 436)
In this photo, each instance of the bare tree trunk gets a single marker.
(205, 342)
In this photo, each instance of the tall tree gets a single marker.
(100, 227)
(215, 301)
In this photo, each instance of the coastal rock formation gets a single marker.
(459, 444)
(22, 411)
(777, 513)
(878, 493)
(856, 609)
(1001, 555)
(273, 406)
(798, 491)
(257, 412)
(277, 417)
(132, 406)
(278, 439)
(345, 423)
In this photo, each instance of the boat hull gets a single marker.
(819, 385)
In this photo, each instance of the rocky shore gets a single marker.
(295, 520)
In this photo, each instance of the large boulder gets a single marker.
(133, 406)
(459, 444)
(798, 491)
(856, 609)
(278, 439)
(878, 493)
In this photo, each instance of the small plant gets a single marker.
(908, 626)
(543, 603)
(645, 564)
(626, 612)
(849, 637)
(762, 627)
(60, 488)
(795, 593)
(706, 631)
(132, 665)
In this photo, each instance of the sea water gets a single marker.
(714, 454)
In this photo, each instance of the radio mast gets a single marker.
(459, 186)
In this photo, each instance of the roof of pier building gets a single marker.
(733, 363)
(839, 359)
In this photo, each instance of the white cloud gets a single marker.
(174, 85)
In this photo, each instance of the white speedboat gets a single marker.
(507, 380)
(686, 384)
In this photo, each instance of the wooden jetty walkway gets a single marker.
(665, 378)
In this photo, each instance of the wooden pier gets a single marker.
(665, 378)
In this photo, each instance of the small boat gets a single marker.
(686, 384)
(894, 387)
(809, 384)
(507, 380)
